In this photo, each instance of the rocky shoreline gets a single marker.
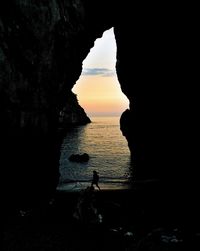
(145, 224)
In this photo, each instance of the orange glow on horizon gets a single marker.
(98, 94)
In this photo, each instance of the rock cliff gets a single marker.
(42, 46)
(72, 113)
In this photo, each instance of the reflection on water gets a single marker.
(108, 151)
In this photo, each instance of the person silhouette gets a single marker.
(95, 179)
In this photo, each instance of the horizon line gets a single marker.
(103, 114)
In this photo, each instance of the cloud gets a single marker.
(103, 72)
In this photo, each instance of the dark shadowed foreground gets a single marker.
(155, 220)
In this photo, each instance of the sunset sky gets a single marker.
(98, 89)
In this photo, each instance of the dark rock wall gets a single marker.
(156, 66)
(157, 48)
(42, 46)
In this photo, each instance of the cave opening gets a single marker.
(98, 89)
(99, 94)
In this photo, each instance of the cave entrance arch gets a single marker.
(99, 93)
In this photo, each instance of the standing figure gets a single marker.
(95, 179)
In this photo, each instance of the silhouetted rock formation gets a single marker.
(156, 70)
(42, 47)
(72, 113)
(79, 157)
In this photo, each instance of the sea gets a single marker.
(109, 155)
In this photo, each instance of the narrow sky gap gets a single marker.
(98, 89)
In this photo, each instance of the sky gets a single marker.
(98, 90)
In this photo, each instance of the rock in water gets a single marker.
(79, 157)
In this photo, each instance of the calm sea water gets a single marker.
(108, 151)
